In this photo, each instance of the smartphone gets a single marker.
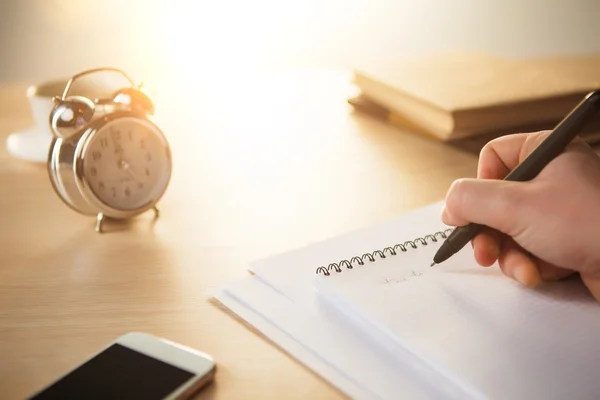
(135, 366)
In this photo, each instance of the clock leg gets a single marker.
(156, 212)
(99, 220)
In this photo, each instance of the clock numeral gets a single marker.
(149, 157)
(130, 136)
(101, 185)
(127, 192)
(142, 144)
(96, 155)
(118, 149)
(104, 142)
(140, 185)
(93, 171)
(118, 135)
(114, 191)
(147, 172)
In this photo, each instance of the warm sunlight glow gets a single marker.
(209, 39)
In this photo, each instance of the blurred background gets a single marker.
(213, 41)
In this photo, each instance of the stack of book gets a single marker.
(457, 96)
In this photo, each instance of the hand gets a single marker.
(544, 229)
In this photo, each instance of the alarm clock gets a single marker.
(107, 157)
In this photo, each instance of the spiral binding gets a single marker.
(391, 250)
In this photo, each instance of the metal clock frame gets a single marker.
(67, 156)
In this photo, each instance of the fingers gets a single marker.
(527, 269)
(500, 156)
(514, 262)
(518, 265)
(550, 272)
(498, 204)
(486, 247)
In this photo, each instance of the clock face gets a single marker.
(126, 164)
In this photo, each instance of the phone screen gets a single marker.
(118, 373)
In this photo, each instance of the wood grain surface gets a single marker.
(259, 169)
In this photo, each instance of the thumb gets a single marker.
(497, 204)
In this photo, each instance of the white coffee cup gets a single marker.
(41, 102)
(32, 144)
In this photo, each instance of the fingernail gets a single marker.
(526, 275)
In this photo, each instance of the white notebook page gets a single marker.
(328, 345)
(292, 275)
(488, 334)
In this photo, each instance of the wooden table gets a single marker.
(258, 169)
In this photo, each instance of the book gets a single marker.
(456, 95)
(362, 105)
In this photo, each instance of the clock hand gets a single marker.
(127, 167)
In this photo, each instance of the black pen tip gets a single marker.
(432, 264)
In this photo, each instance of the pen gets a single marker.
(546, 151)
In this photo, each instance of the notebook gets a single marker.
(396, 327)
(280, 300)
(273, 315)
(461, 94)
(480, 330)
(355, 363)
